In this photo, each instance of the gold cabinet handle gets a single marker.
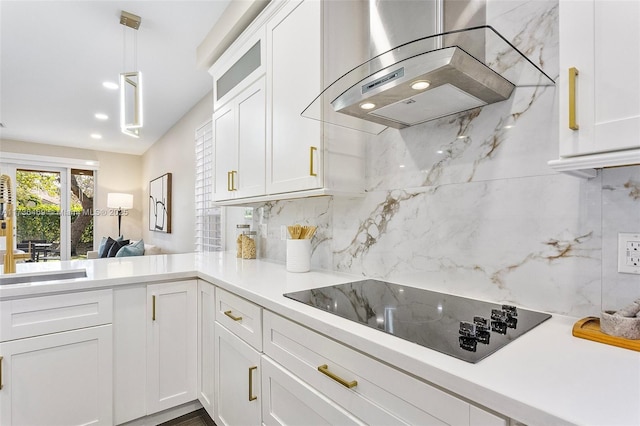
(324, 369)
(573, 73)
(229, 182)
(230, 315)
(311, 151)
(153, 308)
(251, 396)
(233, 180)
(1, 358)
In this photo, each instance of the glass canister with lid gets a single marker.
(249, 244)
(240, 230)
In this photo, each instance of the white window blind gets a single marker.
(208, 222)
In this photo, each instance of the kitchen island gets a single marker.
(546, 376)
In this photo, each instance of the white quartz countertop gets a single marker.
(545, 377)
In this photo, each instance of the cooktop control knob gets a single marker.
(504, 318)
(468, 343)
(511, 311)
(473, 333)
(483, 335)
(467, 329)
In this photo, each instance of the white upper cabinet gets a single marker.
(294, 43)
(239, 68)
(309, 44)
(304, 51)
(599, 87)
(239, 145)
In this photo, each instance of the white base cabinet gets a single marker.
(58, 379)
(237, 372)
(287, 400)
(159, 346)
(129, 353)
(172, 358)
(155, 330)
(369, 390)
(56, 360)
(206, 346)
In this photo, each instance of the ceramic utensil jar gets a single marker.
(299, 255)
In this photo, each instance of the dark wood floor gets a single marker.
(195, 418)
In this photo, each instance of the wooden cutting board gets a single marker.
(589, 328)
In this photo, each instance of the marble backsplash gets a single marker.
(467, 204)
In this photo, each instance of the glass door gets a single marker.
(54, 212)
(38, 208)
(81, 231)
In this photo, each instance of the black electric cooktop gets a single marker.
(464, 328)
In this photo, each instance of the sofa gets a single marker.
(119, 248)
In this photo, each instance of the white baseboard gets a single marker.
(166, 415)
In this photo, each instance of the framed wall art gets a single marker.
(160, 204)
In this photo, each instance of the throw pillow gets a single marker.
(116, 247)
(104, 251)
(135, 249)
(101, 246)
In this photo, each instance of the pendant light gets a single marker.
(131, 117)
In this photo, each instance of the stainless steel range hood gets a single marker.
(422, 79)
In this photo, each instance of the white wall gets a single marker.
(117, 173)
(175, 153)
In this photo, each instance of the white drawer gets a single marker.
(240, 316)
(288, 401)
(50, 314)
(382, 395)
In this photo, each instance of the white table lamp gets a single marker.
(120, 201)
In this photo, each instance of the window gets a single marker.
(208, 223)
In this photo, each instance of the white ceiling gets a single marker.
(54, 56)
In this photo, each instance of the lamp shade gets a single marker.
(117, 200)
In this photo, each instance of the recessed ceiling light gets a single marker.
(461, 137)
(509, 126)
(101, 116)
(110, 85)
(367, 105)
(96, 136)
(420, 85)
(439, 151)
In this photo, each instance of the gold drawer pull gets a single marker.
(230, 315)
(153, 308)
(573, 73)
(1, 358)
(229, 182)
(324, 369)
(251, 396)
(233, 180)
(311, 151)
